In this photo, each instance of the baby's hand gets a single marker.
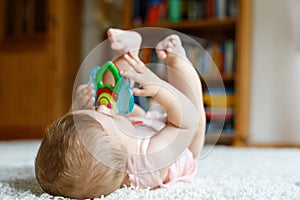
(84, 99)
(149, 82)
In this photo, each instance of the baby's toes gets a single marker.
(111, 33)
(175, 39)
(161, 49)
(161, 54)
(169, 44)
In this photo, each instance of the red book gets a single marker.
(153, 14)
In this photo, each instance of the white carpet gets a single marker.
(226, 173)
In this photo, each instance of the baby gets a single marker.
(88, 153)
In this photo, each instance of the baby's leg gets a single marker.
(181, 73)
(183, 76)
(122, 42)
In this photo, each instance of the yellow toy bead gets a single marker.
(107, 100)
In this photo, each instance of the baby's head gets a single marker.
(66, 164)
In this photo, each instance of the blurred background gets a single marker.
(255, 44)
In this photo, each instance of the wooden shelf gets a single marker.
(224, 138)
(24, 42)
(193, 24)
(36, 57)
(225, 77)
(237, 29)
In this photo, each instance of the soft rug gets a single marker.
(224, 173)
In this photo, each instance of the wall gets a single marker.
(98, 16)
(91, 34)
(275, 84)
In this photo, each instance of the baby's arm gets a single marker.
(137, 111)
(182, 116)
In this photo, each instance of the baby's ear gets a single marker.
(104, 131)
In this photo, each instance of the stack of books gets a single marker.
(219, 110)
(156, 11)
(217, 55)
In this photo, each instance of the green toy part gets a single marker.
(109, 66)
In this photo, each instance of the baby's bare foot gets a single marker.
(124, 41)
(170, 48)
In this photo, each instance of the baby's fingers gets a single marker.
(90, 103)
(130, 74)
(86, 102)
(84, 89)
(139, 92)
(134, 62)
(80, 89)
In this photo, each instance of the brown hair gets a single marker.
(66, 163)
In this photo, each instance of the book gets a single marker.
(157, 11)
(139, 14)
(219, 113)
(232, 8)
(218, 97)
(220, 126)
(219, 58)
(174, 10)
(229, 57)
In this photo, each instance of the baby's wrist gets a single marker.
(157, 89)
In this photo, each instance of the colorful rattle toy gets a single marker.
(118, 97)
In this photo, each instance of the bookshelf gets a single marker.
(188, 24)
(220, 21)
